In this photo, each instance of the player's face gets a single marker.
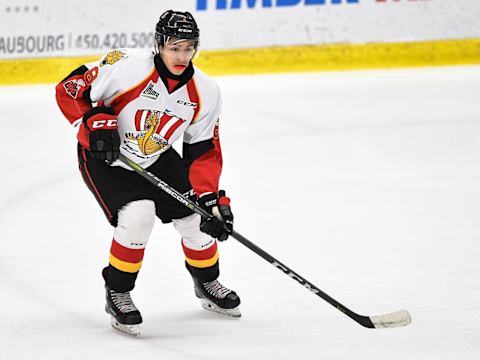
(176, 55)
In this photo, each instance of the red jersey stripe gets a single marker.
(194, 97)
(138, 119)
(163, 121)
(173, 128)
(125, 254)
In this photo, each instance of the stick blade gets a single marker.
(391, 320)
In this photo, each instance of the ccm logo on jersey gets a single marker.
(104, 123)
(187, 103)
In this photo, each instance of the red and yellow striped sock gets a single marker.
(125, 259)
(203, 264)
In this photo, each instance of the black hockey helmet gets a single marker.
(178, 25)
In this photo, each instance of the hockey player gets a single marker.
(138, 103)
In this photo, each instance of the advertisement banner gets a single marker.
(42, 29)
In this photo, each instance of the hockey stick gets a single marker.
(390, 320)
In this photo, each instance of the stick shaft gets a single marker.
(152, 178)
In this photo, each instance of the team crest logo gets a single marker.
(154, 129)
(112, 57)
(72, 87)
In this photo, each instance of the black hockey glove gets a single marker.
(220, 225)
(98, 133)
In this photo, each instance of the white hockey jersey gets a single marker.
(152, 111)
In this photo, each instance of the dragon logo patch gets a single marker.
(154, 129)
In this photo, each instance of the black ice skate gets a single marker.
(125, 315)
(216, 297)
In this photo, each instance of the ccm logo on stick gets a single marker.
(104, 123)
(295, 277)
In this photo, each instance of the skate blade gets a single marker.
(208, 305)
(128, 329)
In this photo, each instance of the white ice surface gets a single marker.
(366, 183)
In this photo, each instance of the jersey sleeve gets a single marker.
(88, 84)
(73, 93)
(202, 151)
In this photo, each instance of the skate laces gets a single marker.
(123, 301)
(216, 289)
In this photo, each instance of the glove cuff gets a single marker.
(224, 201)
(98, 110)
(100, 117)
(208, 200)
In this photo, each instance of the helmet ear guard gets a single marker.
(178, 25)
